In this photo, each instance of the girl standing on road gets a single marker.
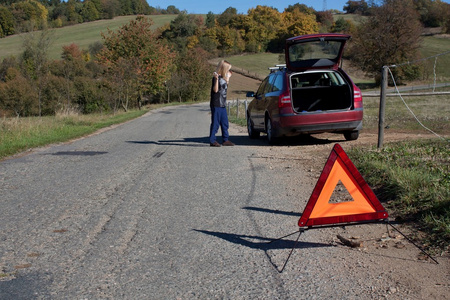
(219, 117)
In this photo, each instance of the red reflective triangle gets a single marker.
(364, 207)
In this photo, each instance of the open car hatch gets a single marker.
(315, 51)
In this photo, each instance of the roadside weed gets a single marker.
(413, 180)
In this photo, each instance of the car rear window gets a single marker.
(314, 53)
(308, 79)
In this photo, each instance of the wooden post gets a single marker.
(237, 108)
(384, 83)
(246, 107)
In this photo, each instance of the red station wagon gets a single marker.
(310, 94)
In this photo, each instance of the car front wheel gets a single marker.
(351, 135)
(252, 133)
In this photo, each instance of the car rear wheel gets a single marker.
(269, 130)
(252, 133)
(351, 135)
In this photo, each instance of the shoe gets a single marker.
(215, 144)
(228, 143)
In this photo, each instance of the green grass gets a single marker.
(413, 180)
(354, 18)
(83, 35)
(432, 111)
(431, 46)
(237, 116)
(255, 63)
(19, 134)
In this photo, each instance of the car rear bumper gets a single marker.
(304, 123)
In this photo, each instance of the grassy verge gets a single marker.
(413, 179)
(19, 134)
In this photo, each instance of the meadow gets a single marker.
(83, 35)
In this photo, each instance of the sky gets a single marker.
(242, 6)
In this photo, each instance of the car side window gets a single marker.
(262, 87)
(269, 85)
(278, 83)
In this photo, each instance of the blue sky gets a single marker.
(242, 6)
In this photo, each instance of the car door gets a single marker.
(264, 100)
(257, 106)
(272, 95)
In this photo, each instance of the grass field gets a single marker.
(81, 34)
(433, 112)
(433, 45)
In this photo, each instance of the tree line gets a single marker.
(136, 65)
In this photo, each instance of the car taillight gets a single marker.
(357, 96)
(284, 100)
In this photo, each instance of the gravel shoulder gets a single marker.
(386, 263)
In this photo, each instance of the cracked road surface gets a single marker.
(147, 210)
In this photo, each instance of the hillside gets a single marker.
(81, 34)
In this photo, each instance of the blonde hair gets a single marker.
(223, 67)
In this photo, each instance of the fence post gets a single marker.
(384, 83)
(246, 107)
(237, 108)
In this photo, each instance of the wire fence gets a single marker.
(237, 108)
(424, 107)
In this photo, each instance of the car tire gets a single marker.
(269, 130)
(351, 135)
(252, 133)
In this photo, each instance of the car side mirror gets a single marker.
(250, 94)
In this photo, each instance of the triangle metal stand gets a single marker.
(409, 240)
(301, 230)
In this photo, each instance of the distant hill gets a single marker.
(82, 34)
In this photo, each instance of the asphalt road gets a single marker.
(143, 211)
(148, 210)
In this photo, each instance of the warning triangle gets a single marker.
(363, 206)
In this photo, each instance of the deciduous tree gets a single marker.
(6, 22)
(149, 61)
(390, 36)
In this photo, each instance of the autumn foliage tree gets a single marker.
(137, 59)
(390, 36)
(191, 80)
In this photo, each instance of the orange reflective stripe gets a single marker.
(359, 205)
(363, 207)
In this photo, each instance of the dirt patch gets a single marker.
(240, 85)
(414, 275)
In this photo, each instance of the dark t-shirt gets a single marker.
(219, 99)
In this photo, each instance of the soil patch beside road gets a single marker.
(308, 155)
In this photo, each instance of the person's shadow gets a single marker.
(241, 140)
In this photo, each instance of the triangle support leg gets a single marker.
(292, 250)
(409, 240)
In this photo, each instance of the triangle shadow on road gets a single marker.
(261, 243)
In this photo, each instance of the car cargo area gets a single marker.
(320, 91)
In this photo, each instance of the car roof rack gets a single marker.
(277, 67)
